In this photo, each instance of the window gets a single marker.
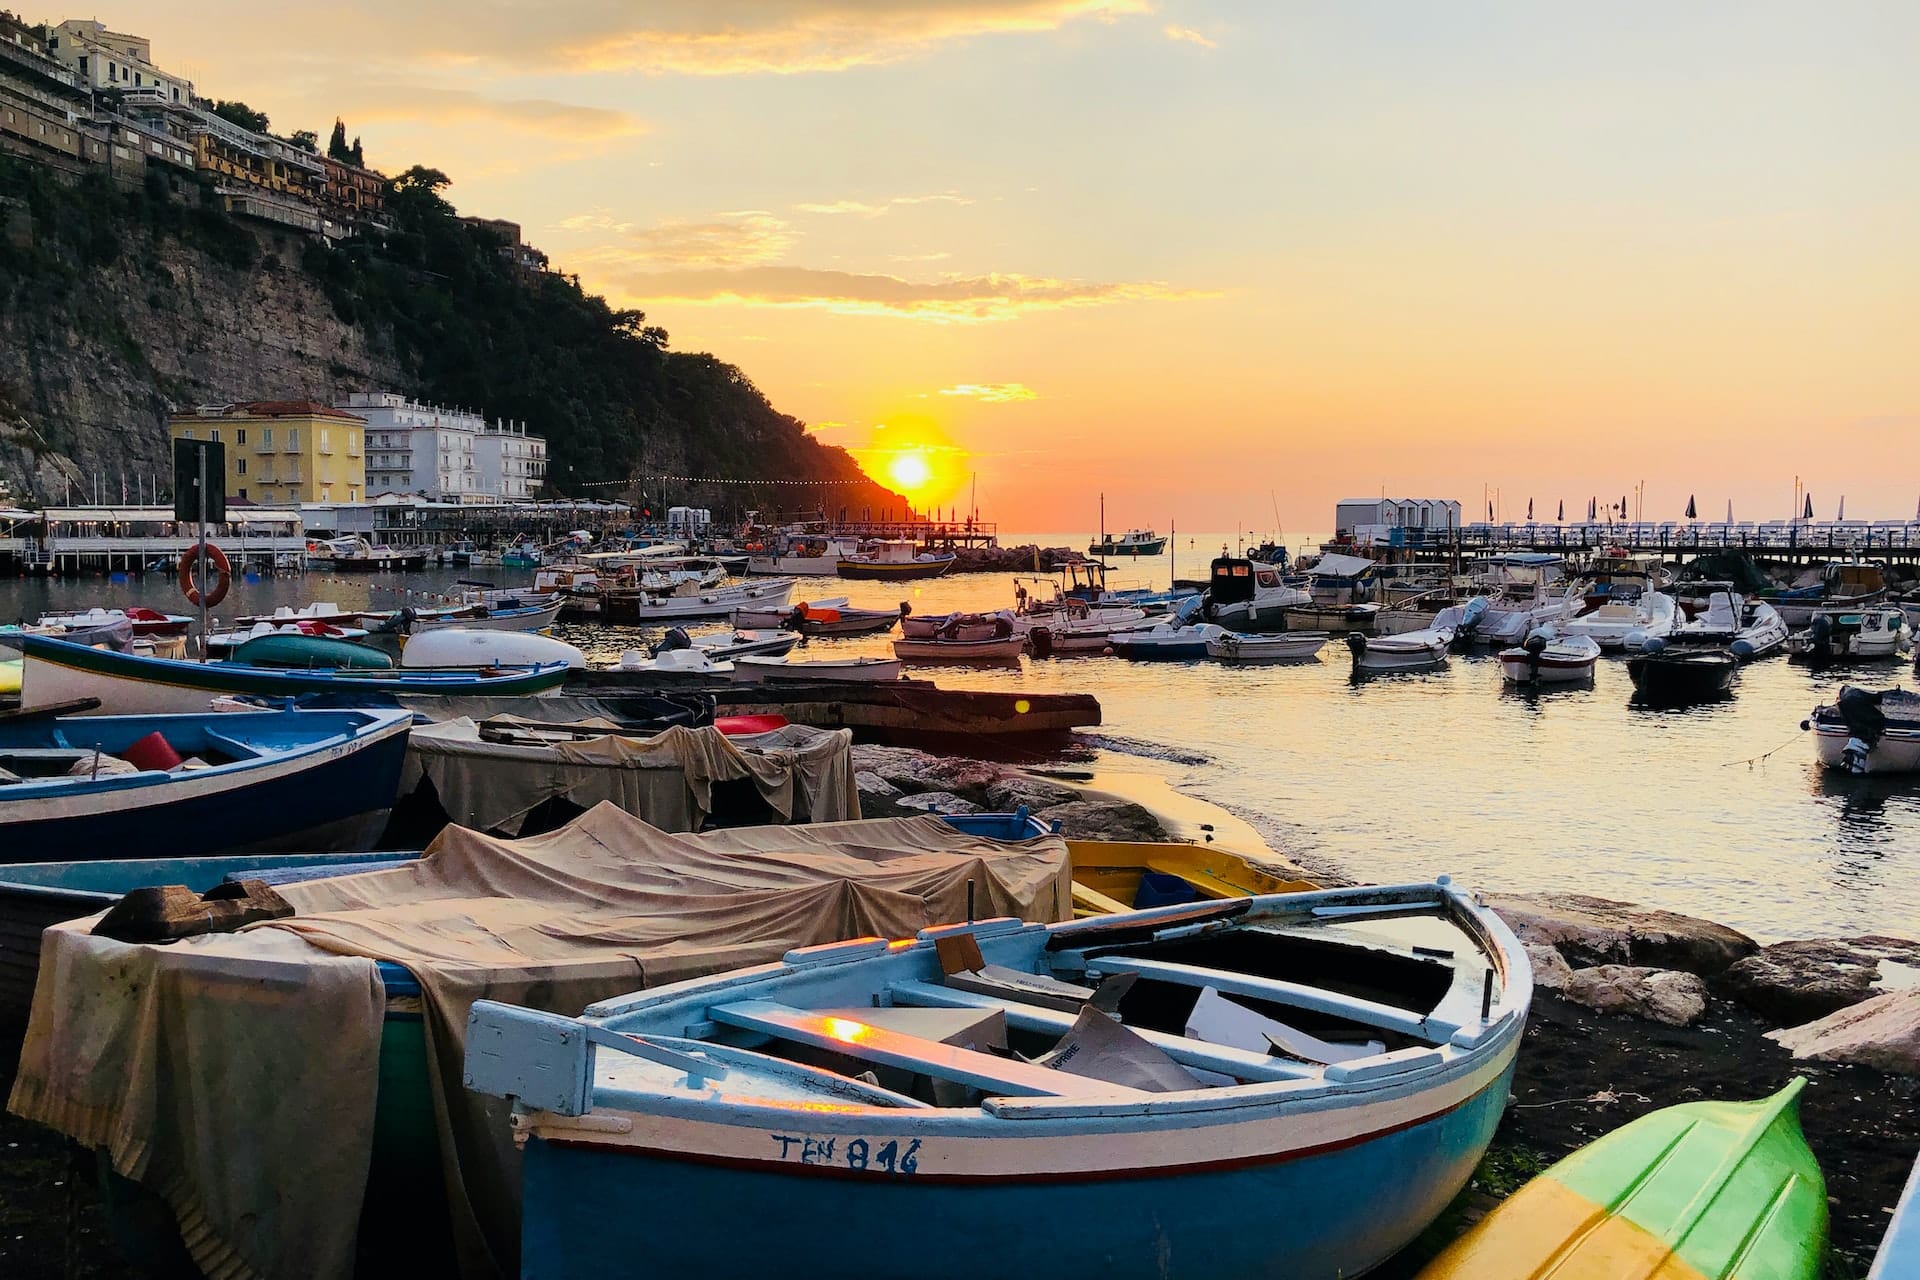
(239, 435)
(242, 493)
(293, 439)
(186, 433)
(213, 433)
(326, 441)
(240, 467)
(266, 437)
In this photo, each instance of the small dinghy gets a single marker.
(1287, 646)
(1678, 677)
(1078, 1100)
(763, 616)
(1166, 641)
(725, 646)
(1408, 651)
(1550, 658)
(145, 622)
(221, 644)
(1704, 1190)
(1868, 732)
(300, 652)
(870, 669)
(459, 648)
(997, 649)
(842, 619)
(965, 626)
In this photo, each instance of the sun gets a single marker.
(910, 470)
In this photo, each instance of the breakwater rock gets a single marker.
(1011, 559)
(1596, 931)
(896, 781)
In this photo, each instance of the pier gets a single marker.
(1783, 542)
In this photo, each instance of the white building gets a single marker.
(1359, 518)
(115, 60)
(446, 455)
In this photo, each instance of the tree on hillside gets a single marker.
(337, 143)
(305, 139)
(420, 178)
(240, 113)
(359, 156)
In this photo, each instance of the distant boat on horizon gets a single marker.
(1134, 542)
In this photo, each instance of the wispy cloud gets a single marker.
(383, 100)
(992, 392)
(939, 255)
(1174, 31)
(741, 238)
(866, 209)
(952, 298)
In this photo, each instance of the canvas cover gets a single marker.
(1335, 565)
(804, 774)
(236, 1075)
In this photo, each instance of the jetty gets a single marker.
(1781, 541)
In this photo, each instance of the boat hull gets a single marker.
(1358, 618)
(1143, 547)
(1520, 667)
(1898, 750)
(1671, 683)
(534, 618)
(836, 671)
(1002, 650)
(634, 609)
(612, 1207)
(1294, 647)
(891, 571)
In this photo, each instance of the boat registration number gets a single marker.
(861, 1155)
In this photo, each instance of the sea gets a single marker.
(1720, 810)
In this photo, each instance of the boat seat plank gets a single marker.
(1225, 1059)
(1292, 994)
(837, 1034)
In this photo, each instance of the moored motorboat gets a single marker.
(221, 644)
(1852, 584)
(1867, 731)
(725, 646)
(1408, 651)
(1550, 658)
(1134, 542)
(355, 554)
(324, 612)
(1287, 646)
(1178, 1068)
(754, 617)
(503, 613)
(1702, 1190)
(1746, 628)
(1165, 641)
(842, 619)
(184, 785)
(1852, 635)
(58, 672)
(1005, 649)
(1245, 596)
(861, 670)
(299, 650)
(145, 622)
(1677, 677)
(1616, 623)
(688, 600)
(894, 559)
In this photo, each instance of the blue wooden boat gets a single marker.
(100, 786)
(1285, 1085)
(1899, 1256)
(58, 671)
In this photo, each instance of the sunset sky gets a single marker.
(1196, 254)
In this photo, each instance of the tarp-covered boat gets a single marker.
(1289, 1085)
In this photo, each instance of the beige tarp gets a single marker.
(236, 1075)
(803, 774)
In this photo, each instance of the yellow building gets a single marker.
(283, 451)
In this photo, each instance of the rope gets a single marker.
(1604, 1097)
(1751, 761)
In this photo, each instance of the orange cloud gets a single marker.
(952, 298)
(741, 238)
(992, 392)
(379, 100)
(866, 210)
(1174, 31)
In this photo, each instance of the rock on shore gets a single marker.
(1011, 559)
(895, 781)
(1882, 1033)
(1800, 981)
(1598, 931)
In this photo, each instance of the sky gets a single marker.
(1225, 263)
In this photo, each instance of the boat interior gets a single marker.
(1183, 999)
(82, 748)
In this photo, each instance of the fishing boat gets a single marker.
(802, 554)
(184, 785)
(221, 644)
(143, 621)
(1001, 649)
(1064, 634)
(689, 600)
(863, 670)
(1549, 658)
(1851, 635)
(843, 620)
(963, 626)
(1243, 596)
(725, 646)
(1288, 646)
(1864, 731)
(1746, 628)
(1134, 542)
(1616, 622)
(1703, 1190)
(762, 616)
(356, 555)
(1166, 641)
(58, 671)
(478, 649)
(1408, 651)
(1085, 1099)
(524, 555)
(893, 559)
(1679, 677)
(1113, 876)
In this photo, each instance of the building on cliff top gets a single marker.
(115, 60)
(283, 451)
(447, 455)
(512, 248)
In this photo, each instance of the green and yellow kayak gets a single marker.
(1702, 1191)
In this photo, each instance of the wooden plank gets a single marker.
(868, 1043)
(1292, 994)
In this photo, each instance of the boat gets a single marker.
(1616, 622)
(1703, 1190)
(1550, 658)
(687, 661)
(58, 671)
(1063, 634)
(842, 620)
(185, 785)
(451, 648)
(727, 645)
(1852, 635)
(1006, 649)
(1165, 641)
(221, 644)
(802, 554)
(763, 616)
(1288, 646)
(894, 559)
(1243, 596)
(710, 655)
(578, 586)
(689, 600)
(1864, 731)
(962, 626)
(1084, 1099)
(1678, 677)
(1519, 593)
(1408, 651)
(1746, 628)
(1899, 1255)
(861, 670)
(144, 622)
(1134, 542)
(524, 555)
(1849, 584)
(490, 609)
(1112, 876)
(298, 650)
(320, 612)
(356, 555)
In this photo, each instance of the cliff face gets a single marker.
(117, 307)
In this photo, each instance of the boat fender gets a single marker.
(1741, 649)
(1652, 644)
(223, 575)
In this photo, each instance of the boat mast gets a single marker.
(1103, 521)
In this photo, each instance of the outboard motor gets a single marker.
(1471, 614)
(1820, 633)
(1860, 711)
(906, 607)
(1356, 644)
(676, 638)
(1042, 641)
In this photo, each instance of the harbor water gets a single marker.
(1719, 811)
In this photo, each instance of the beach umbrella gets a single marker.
(1729, 510)
(1691, 513)
(1530, 508)
(1841, 514)
(1809, 511)
(1623, 506)
(1489, 510)
(1593, 507)
(1563, 510)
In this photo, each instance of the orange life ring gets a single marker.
(188, 558)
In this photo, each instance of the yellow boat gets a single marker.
(1118, 875)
